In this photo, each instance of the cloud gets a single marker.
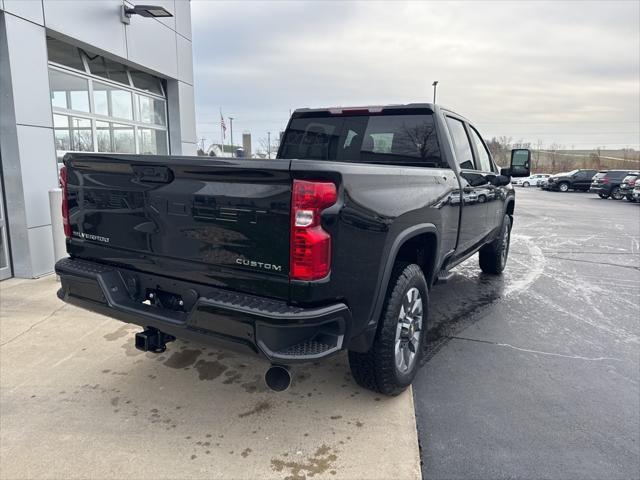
(574, 65)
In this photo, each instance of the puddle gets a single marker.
(209, 370)
(183, 358)
(259, 408)
(322, 461)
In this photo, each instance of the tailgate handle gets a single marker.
(152, 173)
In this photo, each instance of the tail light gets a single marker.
(310, 243)
(604, 180)
(65, 203)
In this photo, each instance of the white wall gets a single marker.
(160, 46)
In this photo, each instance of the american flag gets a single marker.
(223, 126)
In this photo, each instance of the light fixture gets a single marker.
(150, 11)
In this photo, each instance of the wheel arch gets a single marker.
(417, 244)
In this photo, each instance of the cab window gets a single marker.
(484, 159)
(461, 145)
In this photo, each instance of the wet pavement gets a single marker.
(77, 400)
(536, 374)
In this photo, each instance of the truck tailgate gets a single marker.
(222, 222)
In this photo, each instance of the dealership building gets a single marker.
(88, 76)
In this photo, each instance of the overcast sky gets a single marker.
(561, 72)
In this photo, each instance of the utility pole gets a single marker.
(269, 145)
(434, 85)
(231, 132)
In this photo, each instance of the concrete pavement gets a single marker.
(78, 401)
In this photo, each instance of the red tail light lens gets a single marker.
(310, 243)
(65, 202)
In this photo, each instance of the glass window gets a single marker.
(64, 54)
(152, 141)
(147, 82)
(69, 91)
(72, 133)
(81, 136)
(483, 155)
(61, 132)
(151, 110)
(406, 138)
(114, 137)
(461, 144)
(105, 68)
(112, 101)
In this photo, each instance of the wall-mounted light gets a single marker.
(152, 11)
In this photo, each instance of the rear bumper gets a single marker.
(282, 333)
(597, 189)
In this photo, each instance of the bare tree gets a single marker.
(500, 148)
(264, 146)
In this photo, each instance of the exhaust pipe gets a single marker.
(277, 378)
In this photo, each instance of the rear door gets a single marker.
(476, 190)
(217, 221)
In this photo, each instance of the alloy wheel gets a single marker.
(409, 330)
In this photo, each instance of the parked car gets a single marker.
(628, 184)
(606, 183)
(331, 246)
(534, 180)
(578, 180)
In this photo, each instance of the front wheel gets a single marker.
(615, 194)
(393, 360)
(493, 257)
(525, 184)
(563, 187)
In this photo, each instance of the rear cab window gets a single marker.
(400, 137)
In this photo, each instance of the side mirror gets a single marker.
(520, 162)
(502, 180)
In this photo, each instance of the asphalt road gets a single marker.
(536, 374)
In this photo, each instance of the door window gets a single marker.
(461, 145)
(484, 159)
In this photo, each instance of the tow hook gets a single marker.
(153, 340)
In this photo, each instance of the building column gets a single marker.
(27, 146)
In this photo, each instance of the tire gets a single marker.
(604, 196)
(563, 187)
(629, 198)
(380, 369)
(615, 193)
(526, 184)
(493, 257)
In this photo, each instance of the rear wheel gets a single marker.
(615, 193)
(493, 257)
(392, 362)
(563, 187)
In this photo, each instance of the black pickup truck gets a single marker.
(331, 246)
